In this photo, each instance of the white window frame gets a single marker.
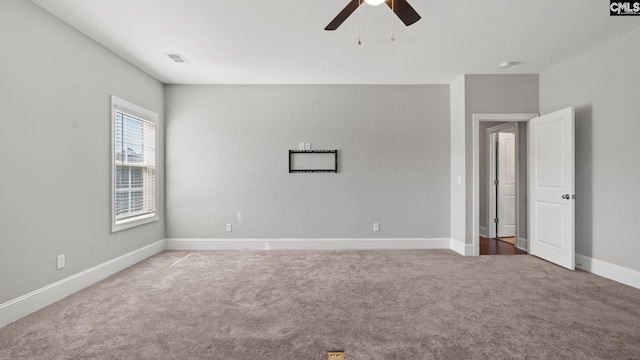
(123, 106)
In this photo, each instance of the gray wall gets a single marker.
(227, 153)
(603, 85)
(55, 149)
(457, 151)
(523, 193)
(493, 94)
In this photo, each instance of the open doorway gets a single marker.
(499, 196)
(545, 223)
(486, 210)
(498, 189)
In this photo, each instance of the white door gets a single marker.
(551, 187)
(506, 185)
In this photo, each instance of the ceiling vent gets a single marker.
(178, 58)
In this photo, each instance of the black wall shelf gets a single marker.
(329, 170)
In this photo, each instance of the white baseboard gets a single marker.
(522, 244)
(483, 231)
(24, 305)
(461, 248)
(306, 244)
(608, 270)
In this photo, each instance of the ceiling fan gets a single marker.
(401, 7)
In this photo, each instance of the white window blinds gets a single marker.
(134, 168)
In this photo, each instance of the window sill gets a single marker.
(133, 222)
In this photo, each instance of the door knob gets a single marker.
(566, 196)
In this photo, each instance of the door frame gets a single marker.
(492, 133)
(476, 172)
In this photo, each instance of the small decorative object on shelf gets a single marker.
(310, 161)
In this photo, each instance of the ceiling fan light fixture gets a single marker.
(401, 8)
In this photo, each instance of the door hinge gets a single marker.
(495, 220)
(495, 182)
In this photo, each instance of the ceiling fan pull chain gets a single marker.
(393, 11)
(359, 21)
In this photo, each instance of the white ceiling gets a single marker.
(284, 41)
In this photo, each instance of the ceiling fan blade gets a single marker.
(405, 12)
(344, 14)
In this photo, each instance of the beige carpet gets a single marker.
(371, 304)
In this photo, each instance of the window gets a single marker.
(133, 165)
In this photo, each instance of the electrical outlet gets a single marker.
(301, 146)
(308, 146)
(59, 262)
(228, 227)
(335, 355)
(376, 227)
